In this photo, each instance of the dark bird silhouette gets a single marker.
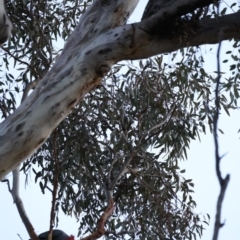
(56, 235)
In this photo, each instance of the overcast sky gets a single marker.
(200, 167)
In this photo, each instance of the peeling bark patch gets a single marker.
(102, 70)
(116, 10)
(41, 141)
(19, 126)
(72, 103)
(65, 74)
(106, 50)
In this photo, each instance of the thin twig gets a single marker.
(55, 187)
(222, 181)
(21, 61)
(20, 236)
(215, 119)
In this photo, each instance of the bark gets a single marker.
(100, 40)
(5, 24)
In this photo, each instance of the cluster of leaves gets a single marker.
(145, 116)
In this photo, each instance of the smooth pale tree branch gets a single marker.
(18, 201)
(16, 180)
(100, 40)
(20, 206)
(76, 72)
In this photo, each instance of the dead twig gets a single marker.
(222, 181)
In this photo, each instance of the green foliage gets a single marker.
(145, 114)
(148, 114)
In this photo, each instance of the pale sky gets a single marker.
(200, 167)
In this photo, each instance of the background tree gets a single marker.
(123, 142)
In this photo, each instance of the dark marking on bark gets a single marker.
(28, 113)
(83, 71)
(55, 106)
(19, 126)
(46, 98)
(92, 19)
(105, 3)
(20, 134)
(116, 34)
(106, 50)
(69, 58)
(88, 52)
(65, 73)
(128, 36)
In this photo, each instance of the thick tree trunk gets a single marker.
(100, 40)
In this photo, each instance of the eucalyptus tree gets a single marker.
(117, 130)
